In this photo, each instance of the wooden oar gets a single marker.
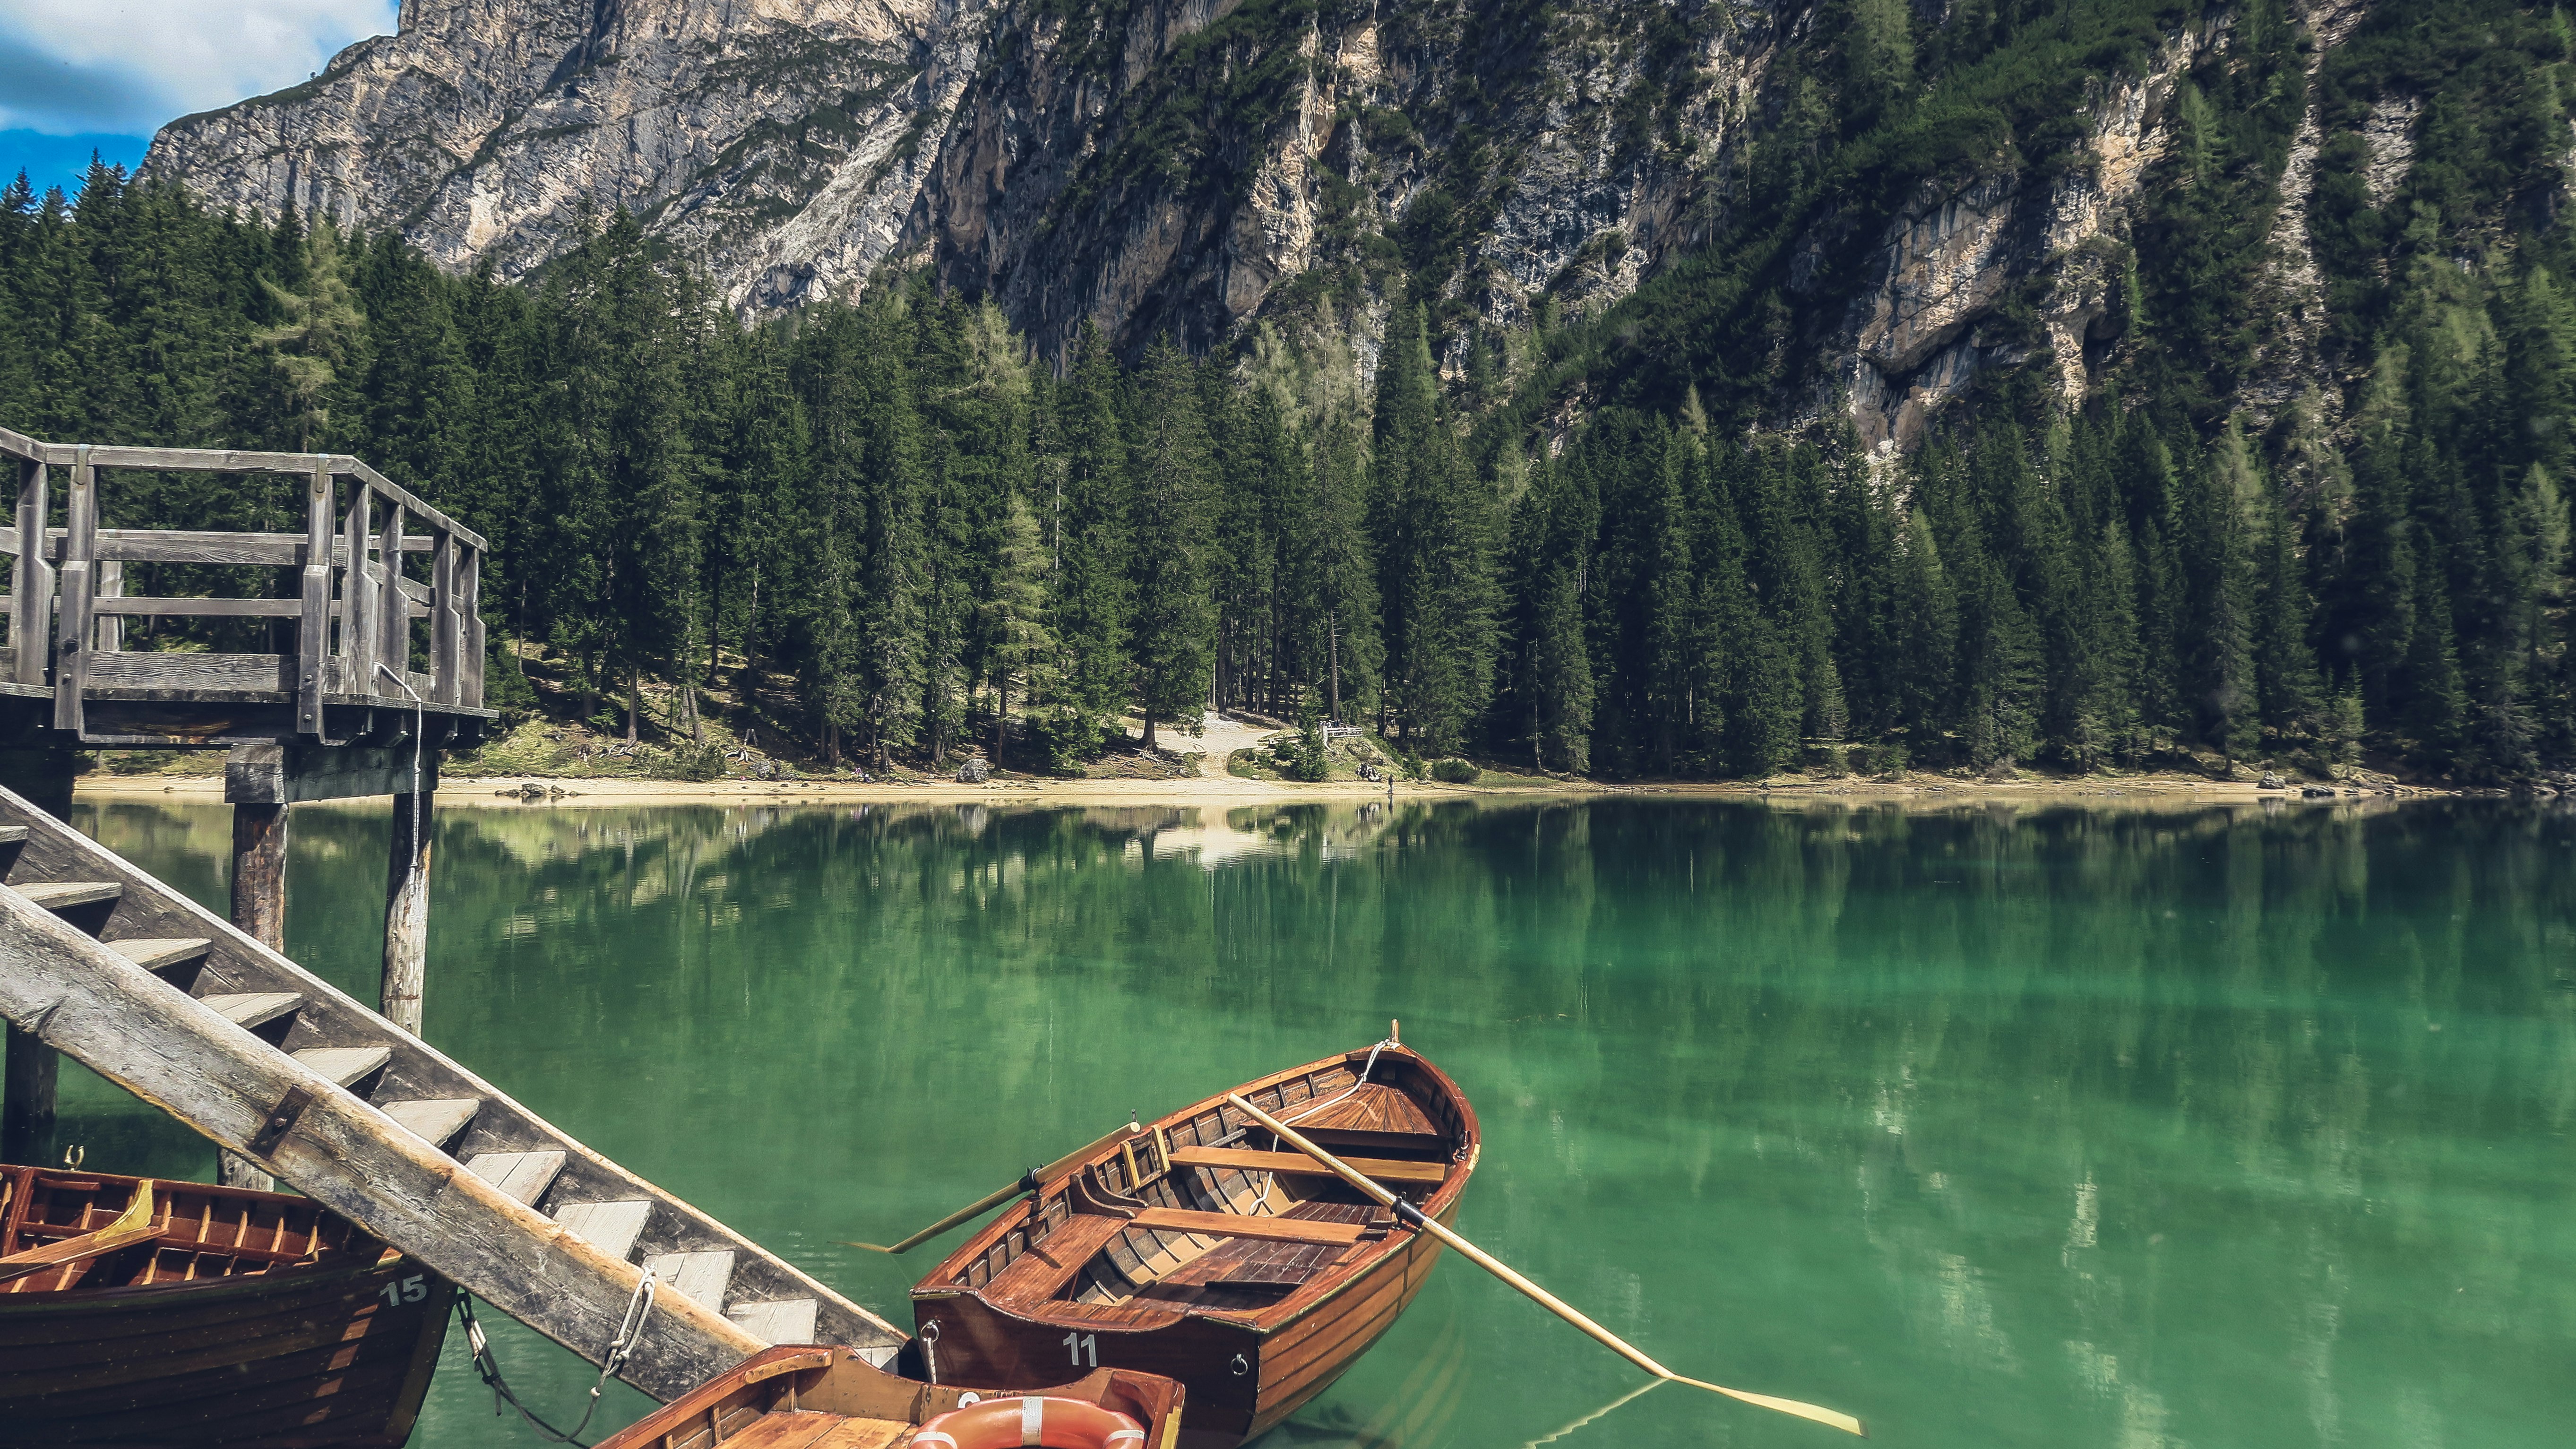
(1030, 1181)
(129, 1227)
(1478, 1256)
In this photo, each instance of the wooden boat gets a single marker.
(829, 1398)
(1193, 1247)
(136, 1312)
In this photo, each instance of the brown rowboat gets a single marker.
(1197, 1248)
(137, 1312)
(829, 1398)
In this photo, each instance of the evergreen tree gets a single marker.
(1172, 625)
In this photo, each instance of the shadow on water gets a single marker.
(1992, 1125)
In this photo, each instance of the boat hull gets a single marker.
(334, 1353)
(989, 1315)
(979, 1342)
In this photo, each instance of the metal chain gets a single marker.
(630, 1331)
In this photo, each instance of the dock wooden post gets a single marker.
(44, 777)
(407, 908)
(259, 908)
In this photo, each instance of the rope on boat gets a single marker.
(1267, 1178)
(630, 1332)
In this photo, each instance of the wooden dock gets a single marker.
(357, 618)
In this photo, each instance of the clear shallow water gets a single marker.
(2056, 1129)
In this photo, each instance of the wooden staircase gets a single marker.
(169, 1001)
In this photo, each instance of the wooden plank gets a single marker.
(265, 672)
(199, 460)
(62, 895)
(435, 1120)
(31, 583)
(1299, 1164)
(247, 1009)
(158, 953)
(611, 1227)
(271, 774)
(71, 631)
(109, 607)
(785, 1321)
(19, 445)
(1236, 1225)
(343, 1065)
(698, 1277)
(521, 1176)
(13, 834)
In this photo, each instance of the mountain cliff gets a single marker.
(1197, 167)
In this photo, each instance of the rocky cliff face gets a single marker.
(1195, 167)
(783, 141)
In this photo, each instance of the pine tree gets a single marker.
(1927, 614)
(1015, 612)
(1088, 534)
(320, 343)
(1172, 628)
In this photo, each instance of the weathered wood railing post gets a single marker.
(358, 631)
(313, 633)
(444, 634)
(32, 580)
(80, 545)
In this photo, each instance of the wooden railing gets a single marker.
(67, 600)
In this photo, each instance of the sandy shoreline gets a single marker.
(1226, 791)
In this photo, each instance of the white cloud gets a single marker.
(126, 66)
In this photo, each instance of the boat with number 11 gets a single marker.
(1201, 1247)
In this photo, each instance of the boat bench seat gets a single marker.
(1298, 1164)
(1048, 1264)
(1238, 1225)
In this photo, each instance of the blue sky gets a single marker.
(103, 75)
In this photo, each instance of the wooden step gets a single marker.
(253, 1008)
(344, 1065)
(700, 1277)
(157, 953)
(12, 834)
(1300, 1165)
(435, 1120)
(1236, 1225)
(787, 1321)
(611, 1227)
(62, 895)
(521, 1176)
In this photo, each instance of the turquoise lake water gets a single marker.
(1997, 1127)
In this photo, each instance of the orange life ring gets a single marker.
(1031, 1420)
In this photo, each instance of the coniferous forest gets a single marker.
(894, 504)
